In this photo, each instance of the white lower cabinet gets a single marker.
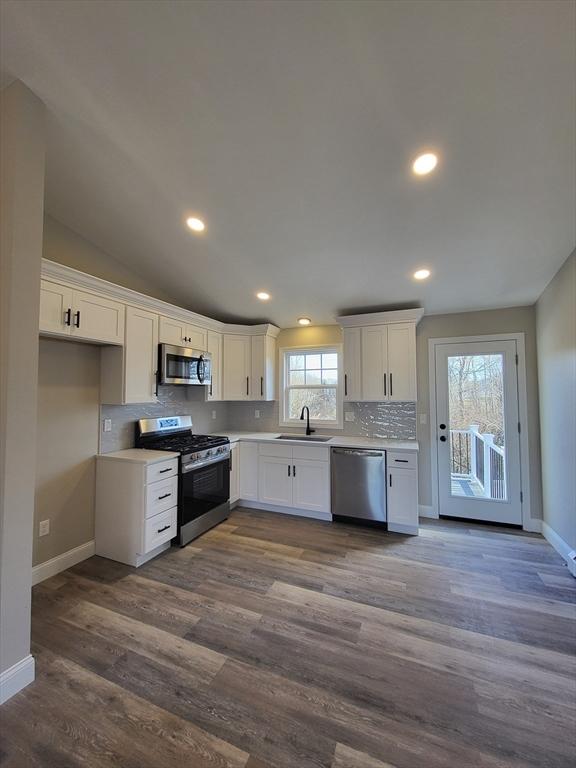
(136, 504)
(275, 481)
(311, 485)
(234, 472)
(249, 471)
(402, 492)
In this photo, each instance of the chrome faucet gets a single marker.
(308, 430)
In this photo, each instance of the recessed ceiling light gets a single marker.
(304, 320)
(196, 225)
(263, 296)
(421, 274)
(424, 164)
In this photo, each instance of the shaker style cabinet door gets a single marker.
(97, 319)
(55, 308)
(237, 357)
(402, 361)
(275, 481)
(141, 356)
(352, 364)
(374, 358)
(214, 347)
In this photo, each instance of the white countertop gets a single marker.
(344, 441)
(140, 455)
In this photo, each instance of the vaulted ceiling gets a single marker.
(290, 128)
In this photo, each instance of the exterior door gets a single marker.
(477, 431)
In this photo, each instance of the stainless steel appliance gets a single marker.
(180, 365)
(359, 483)
(204, 472)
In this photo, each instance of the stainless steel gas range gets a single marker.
(204, 472)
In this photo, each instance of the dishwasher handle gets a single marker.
(358, 452)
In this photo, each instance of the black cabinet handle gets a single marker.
(164, 529)
(247, 385)
(164, 497)
(390, 385)
(390, 479)
(346, 385)
(442, 438)
(385, 387)
(261, 386)
(294, 470)
(77, 319)
(210, 387)
(68, 316)
(401, 461)
(288, 470)
(168, 469)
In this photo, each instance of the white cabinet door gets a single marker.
(55, 308)
(234, 472)
(140, 356)
(196, 338)
(352, 364)
(311, 485)
(172, 332)
(249, 471)
(374, 356)
(214, 347)
(402, 488)
(237, 355)
(402, 361)
(275, 481)
(97, 318)
(263, 368)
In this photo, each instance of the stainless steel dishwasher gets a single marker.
(359, 483)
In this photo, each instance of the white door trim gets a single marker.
(528, 524)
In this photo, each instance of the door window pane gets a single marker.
(476, 421)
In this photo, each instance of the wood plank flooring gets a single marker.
(275, 641)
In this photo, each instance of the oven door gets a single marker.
(204, 491)
(179, 365)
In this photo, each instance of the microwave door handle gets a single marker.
(201, 369)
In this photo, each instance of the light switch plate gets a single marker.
(349, 416)
(44, 528)
(107, 425)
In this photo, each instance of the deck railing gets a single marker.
(474, 455)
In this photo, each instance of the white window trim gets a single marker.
(321, 349)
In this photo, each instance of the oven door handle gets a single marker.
(206, 463)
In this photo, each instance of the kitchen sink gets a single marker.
(311, 438)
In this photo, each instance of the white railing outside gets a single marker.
(474, 455)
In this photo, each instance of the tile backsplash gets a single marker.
(173, 401)
(396, 420)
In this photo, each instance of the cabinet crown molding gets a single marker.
(51, 270)
(382, 318)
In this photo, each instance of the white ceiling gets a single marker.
(290, 128)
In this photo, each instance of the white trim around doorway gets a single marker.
(528, 523)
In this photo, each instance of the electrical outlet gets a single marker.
(349, 416)
(213, 414)
(256, 414)
(423, 418)
(44, 528)
(107, 425)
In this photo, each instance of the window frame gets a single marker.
(320, 349)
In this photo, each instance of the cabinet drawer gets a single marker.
(159, 529)
(274, 448)
(161, 470)
(405, 460)
(161, 495)
(317, 452)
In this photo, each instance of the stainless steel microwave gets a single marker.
(180, 365)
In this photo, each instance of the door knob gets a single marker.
(442, 426)
(442, 438)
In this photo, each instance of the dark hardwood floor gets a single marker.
(285, 642)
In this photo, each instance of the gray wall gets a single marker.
(512, 320)
(22, 161)
(67, 439)
(556, 332)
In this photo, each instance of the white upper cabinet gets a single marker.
(352, 364)
(380, 356)
(141, 356)
(263, 368)
(181, 334)
(237, 368)
(83, 315)
(214, 347)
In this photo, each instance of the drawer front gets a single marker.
(273, 448)
(401, 460)
(317, 452)
(159, 529)
(161, 470)
(161, 495)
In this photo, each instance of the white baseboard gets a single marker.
(533, 525)
(285, 510)
(426, 511)
(61, 562)
(16, 677)
(564, 550)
